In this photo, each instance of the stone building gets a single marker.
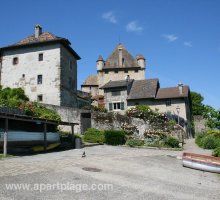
(44, 65)
(116, 67)
(124, 94)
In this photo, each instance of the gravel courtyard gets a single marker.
(132, 173)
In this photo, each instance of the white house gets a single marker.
(44, 65)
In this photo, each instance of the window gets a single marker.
(168, 102)
(137, 104)
(106, 71)
(39, 79)
(136, 70)
(126, 71)
(116, 71)
(116, 93)
(123, 61)
(40, 57)
(40, 97)
(70, 82)
(116, 106)
(70, 64)
(15, 60)
(23, 75)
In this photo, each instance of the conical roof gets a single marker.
(113, 60)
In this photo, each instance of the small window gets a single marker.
(15, 60)
(116, 93)
(168, 102)
(70, 64)
(41, 57)
(40, 97)
(23, 75)
(117, 106)
(137, 104)
(70, 82)
(39, 79)
(123, 61)
(106, 71)
(136, 70)
(126, 71)
(116, 71)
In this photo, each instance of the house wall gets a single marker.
(160, 104)
(28, 64)
(113, 99)
(90, 89)
(104, 78)
(68, 78)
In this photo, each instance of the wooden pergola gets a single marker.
(26, 118)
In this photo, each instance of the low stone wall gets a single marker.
(115, 121)
(69, 114)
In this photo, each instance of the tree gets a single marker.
(198, 108)
(212, 116)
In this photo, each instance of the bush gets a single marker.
(115, 137)
(199, 139)
(172, 142)
(93, 135)
(135, 143)
(216, 152)
(210, 142)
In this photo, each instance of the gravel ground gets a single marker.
(131, 174)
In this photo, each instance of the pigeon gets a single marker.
(84, 154)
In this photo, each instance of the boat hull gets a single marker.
(23, 138)
(201, 162)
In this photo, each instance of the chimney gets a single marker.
(180, 85)
(38, 30)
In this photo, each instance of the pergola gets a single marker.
(25, 118)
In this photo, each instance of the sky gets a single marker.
(180, 39)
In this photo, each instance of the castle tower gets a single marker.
(141, 61)
(99, 63)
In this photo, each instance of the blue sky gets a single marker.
(179, 39)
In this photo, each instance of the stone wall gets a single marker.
(69, 114)
(115, 121)
(199, 123)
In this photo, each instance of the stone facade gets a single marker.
(44, 66)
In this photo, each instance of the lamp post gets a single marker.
(178, 112)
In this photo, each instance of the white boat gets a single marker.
(24, 138)
(201, 162)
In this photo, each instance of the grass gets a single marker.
(2, 156)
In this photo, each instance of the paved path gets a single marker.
(133, 174)
(190, 146)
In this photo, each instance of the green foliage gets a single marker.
(44, 113)
(212, 116)
(216, 152)
(16, 98)
(12, 97)
(198, 108)
(93, 135)
(172, 142)
(135, 143)
(99, 109)
(115, 137)
(209, 140)
(156, 119)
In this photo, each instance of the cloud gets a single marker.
(187, 44)
(134, 27)
(110, 17)
(170, 37)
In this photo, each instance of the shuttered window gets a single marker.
(110, 106)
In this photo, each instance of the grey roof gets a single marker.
(91, 80)
(172, 92)
(116, 84)
(113, 60)
(144, 89)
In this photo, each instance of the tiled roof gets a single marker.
(172, 92)
(116, 84)
(91, 80)
(44, 37)
(113, 60)
(144, 89)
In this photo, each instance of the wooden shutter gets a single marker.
(122, 105)
(110, 106)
